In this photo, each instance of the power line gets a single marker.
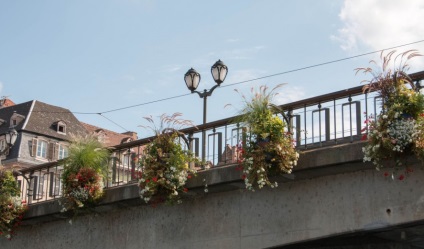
(320, 64)
(151, 102)
(110, 120)
(240, 82)
(259, 78)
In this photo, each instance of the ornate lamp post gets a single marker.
(192, 79)
(10, 136)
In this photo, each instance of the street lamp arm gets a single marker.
(192, 79)
(205, 93)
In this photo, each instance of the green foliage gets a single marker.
(164, 166)
(12, 208)
(269, 149)
(84, 169)
(87, 152)
(397, 132)
(9, 186)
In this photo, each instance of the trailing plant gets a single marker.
(268, 149)
(397, 132)
(12, 208)
(164, 165)
(84, 170)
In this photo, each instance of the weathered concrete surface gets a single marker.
(314, 205)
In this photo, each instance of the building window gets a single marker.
(38, 187)
(16, 119)
(63, 151)
(126, 159)
(41, 149)
(61, 127)
(55, 185)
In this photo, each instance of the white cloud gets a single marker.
(148, 91)
(379, 24)
(128, 77)
(171, 68)
(289, 94)
(1, 87)
(243, 53)
(246, 53)
(231, 40)
(242, 75)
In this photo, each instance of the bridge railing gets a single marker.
(329, 119)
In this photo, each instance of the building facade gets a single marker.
(44, 132)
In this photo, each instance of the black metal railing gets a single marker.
(324, 120)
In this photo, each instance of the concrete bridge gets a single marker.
(333, 200)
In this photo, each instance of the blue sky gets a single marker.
(94, 56)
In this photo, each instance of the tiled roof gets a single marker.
(7, 112)
(111, 138)
(42, 118)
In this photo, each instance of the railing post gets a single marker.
(190, 148)
(290, 121)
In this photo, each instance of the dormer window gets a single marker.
(16, 119)
(61, 127)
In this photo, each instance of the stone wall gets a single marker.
(324, 199)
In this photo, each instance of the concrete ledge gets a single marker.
(313, 163)
(330, 195)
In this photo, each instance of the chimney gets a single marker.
(5, 102)
(131, 134)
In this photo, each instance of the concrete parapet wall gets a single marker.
(331, 194)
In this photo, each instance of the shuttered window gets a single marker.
(63, 151)
(42, 148)
(55, 185)
(38, 187)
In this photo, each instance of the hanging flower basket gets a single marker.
(84, 188)
(164, 166)
(12, 208)
(269, 149)
(84, 169)
(398, 131)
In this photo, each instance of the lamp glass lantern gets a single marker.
(219, 71)
(192, 79)
(11, 137)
